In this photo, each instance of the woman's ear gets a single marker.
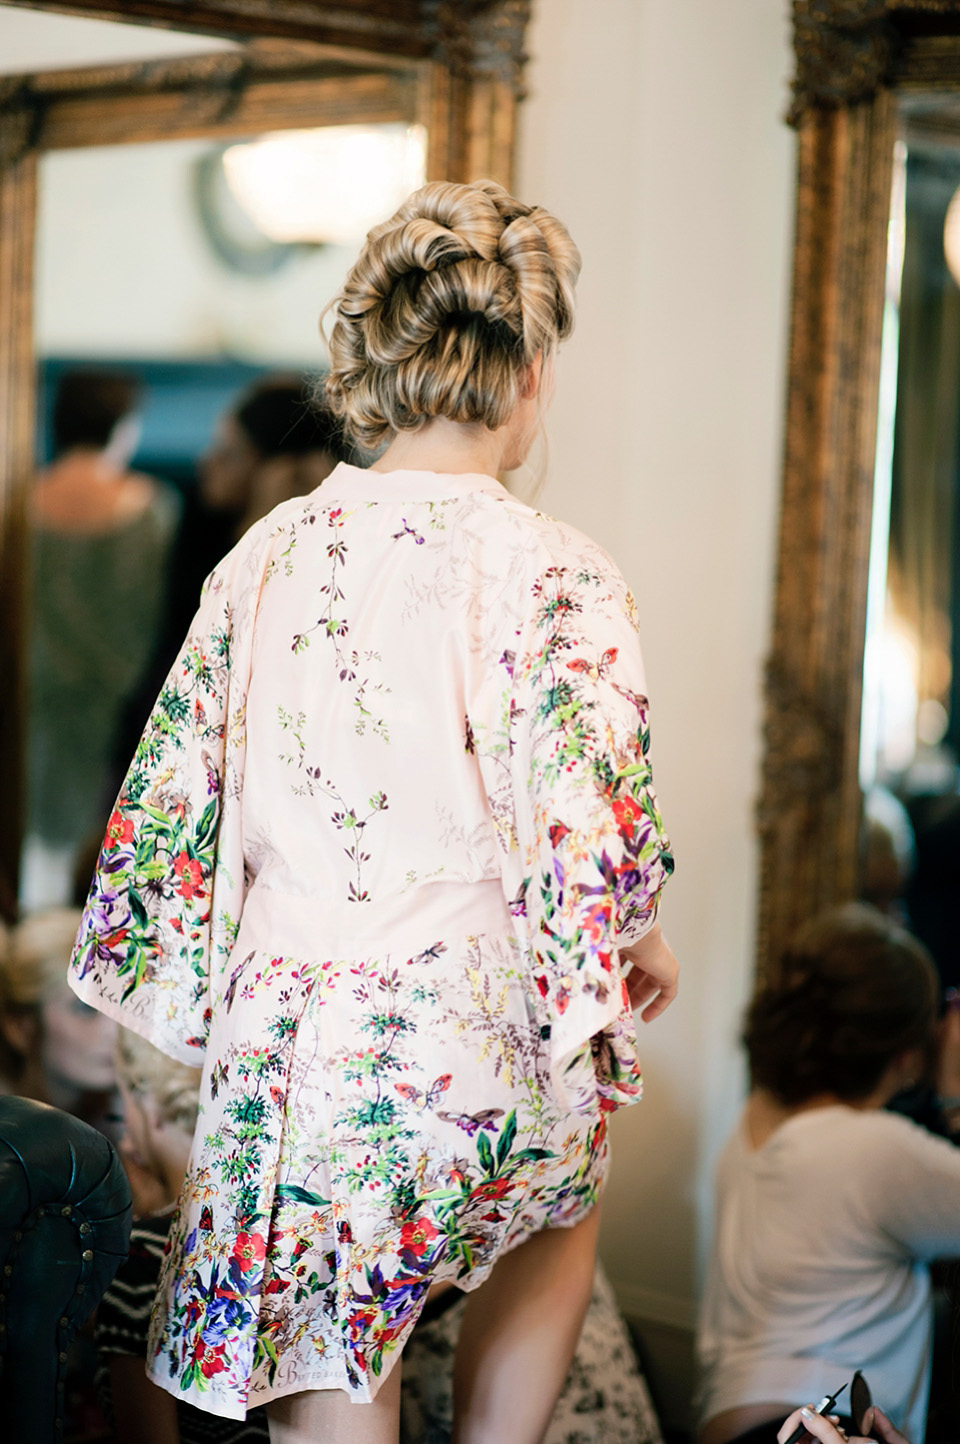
(530, 385)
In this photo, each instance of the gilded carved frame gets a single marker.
(455, 65)
(853, 58)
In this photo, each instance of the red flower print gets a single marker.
(494, 1188)
(209, 1357)
(596, 921)
(628, 813)
(249, 1250)
(119, 831)
(543, 985)
(190, 873)
(416, 1236)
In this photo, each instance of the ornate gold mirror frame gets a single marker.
(453, 65)
(855, 59)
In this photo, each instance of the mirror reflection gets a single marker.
(911, 717)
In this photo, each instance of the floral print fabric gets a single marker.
(389, 825)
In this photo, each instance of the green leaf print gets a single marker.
(137, 908)
(293, 1193)
(506, 1138)
(485, 1154)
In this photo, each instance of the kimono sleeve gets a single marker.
(595, 853)
(168, 887)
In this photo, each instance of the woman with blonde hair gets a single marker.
(386, 854)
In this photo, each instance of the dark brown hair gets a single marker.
(852, 993)
(88, 406)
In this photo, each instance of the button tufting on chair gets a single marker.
(65, 1211)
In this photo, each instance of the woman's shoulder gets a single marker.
(559, 543)
(870, 1140)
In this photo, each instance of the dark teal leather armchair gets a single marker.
(65, 1212)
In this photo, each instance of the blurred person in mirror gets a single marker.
(160, 1106)
(888, 853)
(53, 1047)
(100, 535)
(278, 441)
(829, 1208)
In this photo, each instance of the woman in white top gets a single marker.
(808, 1283)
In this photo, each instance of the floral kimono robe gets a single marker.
(388, 826)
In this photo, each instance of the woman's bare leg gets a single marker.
(326, 1416)
(519, 1335)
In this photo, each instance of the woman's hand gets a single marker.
(149, 1194)
(653, 976)
(825, 1428)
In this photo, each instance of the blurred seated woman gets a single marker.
(100, 536)
(53, 1047)
(828, 1209)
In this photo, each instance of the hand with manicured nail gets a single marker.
(827, 1429)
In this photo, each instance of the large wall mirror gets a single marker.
(861, 791)
(161, 253)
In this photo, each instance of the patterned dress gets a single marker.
(390, 821)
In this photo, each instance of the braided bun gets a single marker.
(447, 306)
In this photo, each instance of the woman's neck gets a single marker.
(451, 447)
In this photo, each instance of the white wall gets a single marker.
(654, 129)
(31, 40)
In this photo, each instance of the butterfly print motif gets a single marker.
(409, 531)
(425, 1099)
(470, 1122)
(231, 992)
(429, 955)
(595, 670)
(213, 776)
(220, 1074)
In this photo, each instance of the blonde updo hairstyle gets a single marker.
(446, 309)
